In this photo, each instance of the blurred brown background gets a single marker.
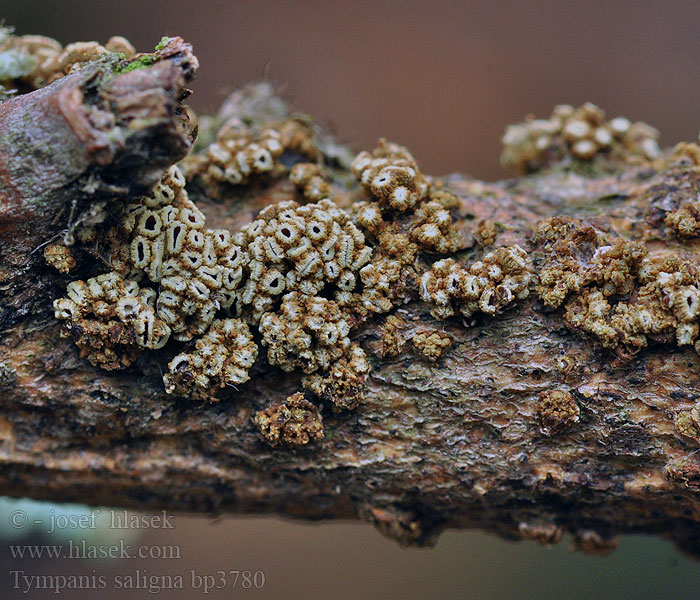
(444, 79)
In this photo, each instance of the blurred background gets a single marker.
(444, 79)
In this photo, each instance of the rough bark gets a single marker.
(452, 443)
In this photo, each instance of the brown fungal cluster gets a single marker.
(557, 411)
(243, 152)
(576, 133)
(403, 203)
(405, 215)
(294, 422)
(392, 336)
(487, 286)
(299, 275)
(302, 248)
(111, 319)
(432, 343)
(486, 232)
(613, 290)
(578, 255)
(307, 333)
(343, 383)
(391, 175)
(221, 357)
(33, 61)
(59, 257)
(309, 180)
(687, 423)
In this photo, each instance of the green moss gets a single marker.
(142, 62)
(163, 43)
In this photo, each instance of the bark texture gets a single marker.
(451, 443)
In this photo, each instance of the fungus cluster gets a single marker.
(294, 422)
(486, 232)
(307, 333)
(33, 61)
(405, 215)
(392, 336)
(576, 133)
(305, 249)
(578, 255)
(270, 273)
(687, 423)
(391, 175)
(487, 286)
(613, 290)
(432, 229)
(343, 383)
(111, 319)
(243, 152)
(432, 343)
(198, 269)
(60, 257)
(309, 180)
(557, 411)
(221, 357)
(238, 154)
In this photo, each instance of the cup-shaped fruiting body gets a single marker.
(242, 153)
(199, 270)
(294, 422)
(111, 320)
(391, 175)
(685, 220)
(221, 357)
(432, 229)
(576, 133)
(308, 179)
(307, 332)
(343, 384)
(486, 232)
(487, 286)
(301, 248)
(432, 343)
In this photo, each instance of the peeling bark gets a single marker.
(452, 442)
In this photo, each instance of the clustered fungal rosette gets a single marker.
(613, 290)
(294, 422)
(111, 319)
(487, 286)
(305, 249)
(577, 133)
(391, 175)
(242, 153)
(432, 344)
(221, 357)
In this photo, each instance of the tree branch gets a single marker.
(468, 440)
